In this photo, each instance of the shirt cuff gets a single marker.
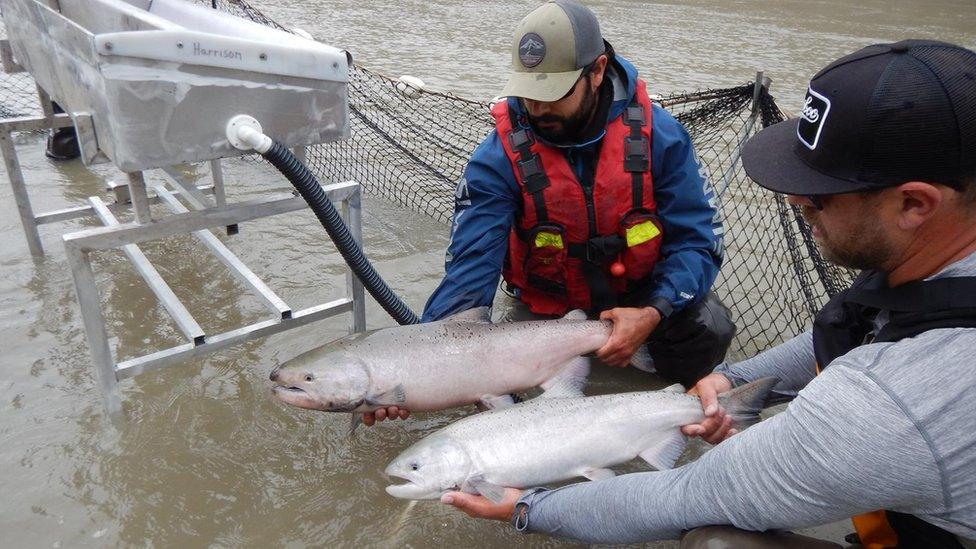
(662, 305)
(520, 516)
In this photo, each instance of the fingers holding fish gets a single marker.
(631, 328)
(392, 412)
(716, 424)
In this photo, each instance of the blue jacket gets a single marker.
(488, 196)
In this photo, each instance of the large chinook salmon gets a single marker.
(463, 359)
(550, 440)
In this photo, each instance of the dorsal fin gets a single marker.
(477, 314)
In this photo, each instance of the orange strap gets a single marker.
(874, 531)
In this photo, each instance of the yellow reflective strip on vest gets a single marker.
(543, 239)
(641, 233)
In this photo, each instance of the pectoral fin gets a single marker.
(394, 397)
(496, 402)
(642, 360)
(598, 474)
(569, 381)
(354, 421)
(493, 492)
(664, 452)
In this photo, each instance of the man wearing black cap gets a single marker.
(882, 162)
(587, 196)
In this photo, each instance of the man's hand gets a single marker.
(631, 328)
(717, 426)
(479, 507)
(393, 412)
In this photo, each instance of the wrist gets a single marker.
(662, 306)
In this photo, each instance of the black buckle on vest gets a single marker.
(598, 250)
(533, 176)
(519, 138)
(635, 154)
(635, 115)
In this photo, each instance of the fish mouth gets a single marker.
(296, 396)
(409, 488)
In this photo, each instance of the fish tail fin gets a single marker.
(744, 403)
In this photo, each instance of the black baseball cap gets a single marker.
(879, 117)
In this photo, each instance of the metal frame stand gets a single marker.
(79, 246)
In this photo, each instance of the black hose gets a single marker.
(303, 180)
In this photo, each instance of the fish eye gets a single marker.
(309, 377)
(414, 466)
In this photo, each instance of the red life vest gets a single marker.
(578, 247)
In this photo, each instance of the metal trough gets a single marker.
(152, 83)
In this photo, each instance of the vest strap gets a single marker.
(917, 296)
(636, 151)
(529, 166)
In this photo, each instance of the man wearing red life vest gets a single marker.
(588, 196)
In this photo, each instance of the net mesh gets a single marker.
(411, 145)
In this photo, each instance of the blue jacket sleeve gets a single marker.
(484, 207)
(691, 253)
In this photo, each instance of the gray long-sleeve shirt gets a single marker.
(886, 426)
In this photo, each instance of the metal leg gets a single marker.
(16, 177)
(91, 314)
(352, 212)
(140, 200)
(46, 107)
(218, 184)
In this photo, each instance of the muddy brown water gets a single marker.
(205, 456)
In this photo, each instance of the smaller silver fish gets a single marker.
(548, 440)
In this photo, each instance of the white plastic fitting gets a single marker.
(244, 133)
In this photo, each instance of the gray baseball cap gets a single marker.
(552, 46)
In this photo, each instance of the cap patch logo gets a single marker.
(531, 50)
(815, 110)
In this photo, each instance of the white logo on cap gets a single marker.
(812, 118)
(531, 50)
(809, 111)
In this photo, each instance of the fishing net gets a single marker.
(18, 94)
(410, 146)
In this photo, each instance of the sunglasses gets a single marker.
(586, 70)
